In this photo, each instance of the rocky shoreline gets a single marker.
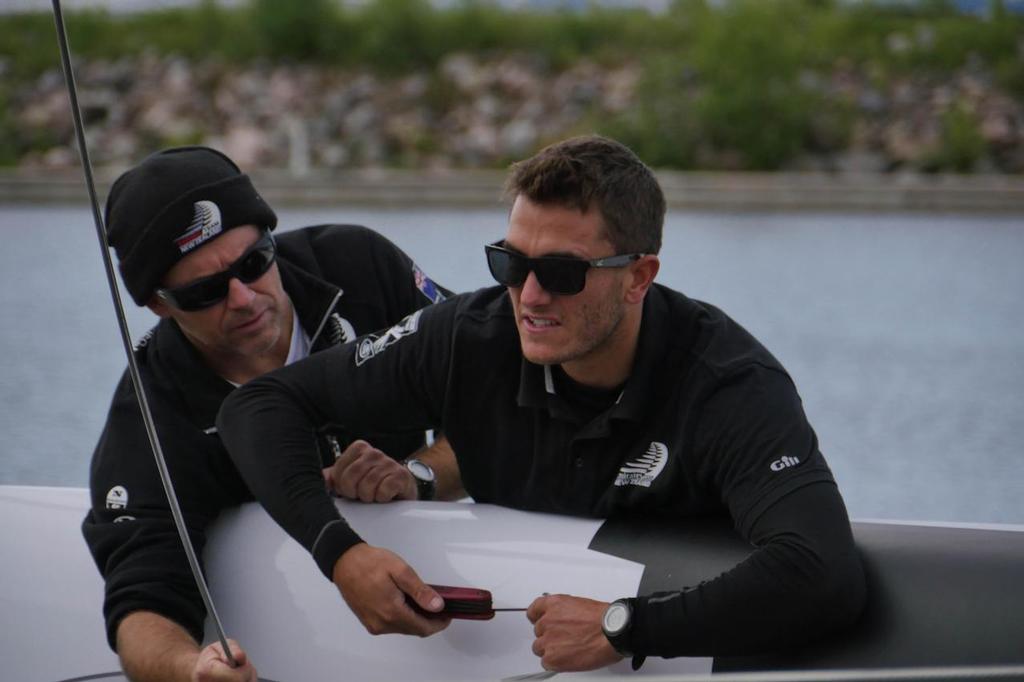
(467, 113)
(322, 135)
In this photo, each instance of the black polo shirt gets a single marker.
(707, 419)
(707, 422)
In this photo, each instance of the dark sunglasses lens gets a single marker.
(249, 268)
(201, 294)
(561, 275)
(254, 264)
(507, 268)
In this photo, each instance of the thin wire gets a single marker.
(133, 368)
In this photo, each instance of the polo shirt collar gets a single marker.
(537, 390)
(533, 385)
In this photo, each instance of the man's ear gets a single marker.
(642, 274)
(157, 305)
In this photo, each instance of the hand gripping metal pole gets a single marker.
(133, 367)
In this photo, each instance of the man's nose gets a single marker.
(239, 294)
(532, 292)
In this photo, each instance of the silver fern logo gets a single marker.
(644, 469)
(206, 223)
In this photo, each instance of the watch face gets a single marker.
(616, 618)
(420, 470)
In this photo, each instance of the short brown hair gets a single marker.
(591, 169)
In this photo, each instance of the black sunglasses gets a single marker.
(204, 292)
(556, 274)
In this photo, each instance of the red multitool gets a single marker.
(463, 603)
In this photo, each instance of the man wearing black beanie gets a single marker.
(194, 244)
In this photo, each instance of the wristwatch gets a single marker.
(424, 476)
(617, 623)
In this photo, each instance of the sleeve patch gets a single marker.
(426, 285)
(374, 343)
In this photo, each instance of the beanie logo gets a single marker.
(205, 225)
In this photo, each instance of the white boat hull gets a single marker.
(939, 595)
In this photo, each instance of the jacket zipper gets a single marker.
(323, 320)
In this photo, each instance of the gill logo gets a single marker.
(780, 464)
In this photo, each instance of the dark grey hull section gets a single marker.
(937, 596)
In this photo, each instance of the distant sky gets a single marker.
(113, 5)
(974, 6)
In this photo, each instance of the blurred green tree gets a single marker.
(961, 145)
(753, 102)
(300, 30)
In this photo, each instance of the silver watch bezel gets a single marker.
(420, 470)
(621, 611)
(425, 478)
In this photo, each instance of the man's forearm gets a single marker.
(803, 581)
(268, 451)
(440, 457)
(155, 649)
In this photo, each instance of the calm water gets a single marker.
(905, 335)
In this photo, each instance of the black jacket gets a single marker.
(708, 422)
(343, 280)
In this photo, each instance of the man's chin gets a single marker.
(255, 341)
(542, 354)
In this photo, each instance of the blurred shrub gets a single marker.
(740, 93)
(28, 45)
(298, 30)
(398, 35)
(664, 127)
(753, 102)
(961, 145)
(9, 148)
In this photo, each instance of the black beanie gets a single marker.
(174, 201)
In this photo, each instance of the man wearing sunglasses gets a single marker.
(580, 386)
(195, 244)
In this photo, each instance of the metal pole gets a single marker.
(133, 368)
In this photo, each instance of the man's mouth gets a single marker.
(251, 322)
(539, 323)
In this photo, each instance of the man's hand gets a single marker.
(366, 474)
(156, 649)
(212, 665)
(374, 582)
(568, 633)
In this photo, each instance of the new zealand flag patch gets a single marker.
(426, 285)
